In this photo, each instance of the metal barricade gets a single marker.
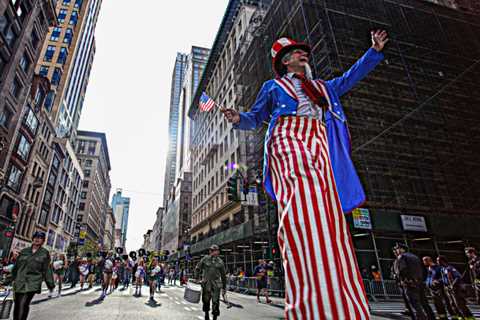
(248, 285)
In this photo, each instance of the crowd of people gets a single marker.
(447, 286)
(107, 269)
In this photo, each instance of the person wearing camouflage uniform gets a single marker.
(214, 279)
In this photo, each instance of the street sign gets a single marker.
(413, 223)
(361, 219)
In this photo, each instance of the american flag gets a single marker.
(206, 103)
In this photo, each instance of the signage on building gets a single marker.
(361, 219)
(251, 197)
(413, 223)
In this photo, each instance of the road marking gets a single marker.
(187, 308)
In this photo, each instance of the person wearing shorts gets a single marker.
(262, 279)
(107, 273)
(154, 270)
(92, 266)
(139, 275)
(59, 267)
(84, 271)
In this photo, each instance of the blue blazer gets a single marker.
(273, 101)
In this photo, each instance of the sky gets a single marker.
(128, 95)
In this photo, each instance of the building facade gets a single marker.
(177, 217)
(92, 152)
(219, 151)
(157, 230)
(121, 208)
(23, 28)
(176, 90)
(406, 130)
(109, 235)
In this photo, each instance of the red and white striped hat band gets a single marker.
(280, 48)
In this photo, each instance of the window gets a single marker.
(5, 117)
(62, 56)
(49, 100)
(39, 95)
(55, 34)
(35, 39)
(31, 121)
(14, 178)
(87, 173)
(16, 88)
(81, 206)
(66, 2)
(51, 179)
(43, 71)
(85, 184)
(9, 34)
(78, 3)
(83, 195)
(25, 63)
(68, 36)
(73, 18)
(91, 148)
(57, 74)
(3, 63)
(49, 53)
(23, 149)
(62, 15)
(55, 162)
(88, 163)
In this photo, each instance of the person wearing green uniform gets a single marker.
(31, 268)
(214, 279)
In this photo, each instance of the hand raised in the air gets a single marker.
(232, 115)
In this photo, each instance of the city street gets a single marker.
(121, 305)
(75, 304)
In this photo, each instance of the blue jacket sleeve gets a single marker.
(259, 112)
(357, 72)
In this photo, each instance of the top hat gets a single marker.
(38, 234)
(214, 247)
(281, 47)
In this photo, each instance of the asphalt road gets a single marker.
(85, 305)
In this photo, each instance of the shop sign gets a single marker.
(413, 223)
(361, 219)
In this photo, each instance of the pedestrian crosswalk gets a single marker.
(396, 308)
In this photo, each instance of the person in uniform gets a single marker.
(455, 288)
(30, 270)
(409, 270)
(435, 283)
(213, 280)
(308, 171)
(474, 266)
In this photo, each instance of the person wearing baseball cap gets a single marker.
(32, 267)
(309, 172)
(214, 280)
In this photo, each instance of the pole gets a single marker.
(269, 225)
(378, 263)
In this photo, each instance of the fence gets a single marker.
(248, 285)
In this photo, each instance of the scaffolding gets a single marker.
(413, 121)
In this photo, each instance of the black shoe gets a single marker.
(207, 316)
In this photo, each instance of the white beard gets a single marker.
(308, 72)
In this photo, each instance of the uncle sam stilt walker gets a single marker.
(309, 172)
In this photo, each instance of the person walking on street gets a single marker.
(107, 270)
(127, 275)
(139, 276)
(213, 280)
(92, 270)
(455, 288)
(73, 271)
(30, 270)
(474, 266)
(161, 278)
(434, 282)
(59, 264)
(260, 273)
(153, 272)
(83, 270)
(308, 171)
(409, 270)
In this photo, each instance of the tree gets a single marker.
(89, 246)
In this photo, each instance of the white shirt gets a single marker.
(305, 108)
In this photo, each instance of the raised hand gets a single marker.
(379, 39)
(232, 115)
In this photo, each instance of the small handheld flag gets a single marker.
(206, 103)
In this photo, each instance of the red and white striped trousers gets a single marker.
(322, 276)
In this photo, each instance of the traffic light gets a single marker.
(232, 188)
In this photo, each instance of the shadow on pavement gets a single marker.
(153, 304)
(93, 302)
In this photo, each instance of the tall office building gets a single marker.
(67, 59)
(179, 204)
(23, 28)
(121, 208)
(175, 91)
(92, 152)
